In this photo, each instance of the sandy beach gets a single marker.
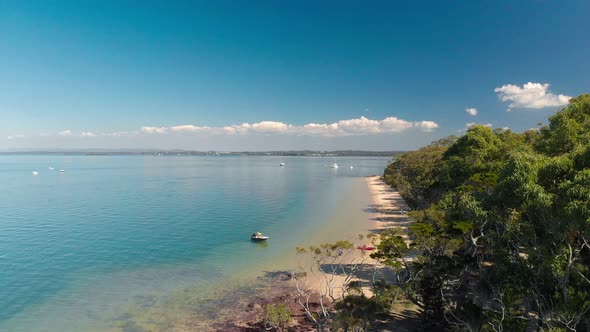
(386, 210)
(389, 210)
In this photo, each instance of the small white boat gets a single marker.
(258, 237)
(51, 168)
(62, 170)
(335, 166)
(351, 167)
(282, 164)
(35, 173)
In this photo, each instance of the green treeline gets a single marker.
(502, 234)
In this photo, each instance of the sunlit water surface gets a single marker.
(117, 239)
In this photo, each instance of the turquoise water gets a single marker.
(112, 231)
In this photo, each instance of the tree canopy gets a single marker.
(502, 232)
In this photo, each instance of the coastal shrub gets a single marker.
(501, 233)
(356, 312)
(277, 316)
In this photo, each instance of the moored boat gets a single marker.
(258, 237)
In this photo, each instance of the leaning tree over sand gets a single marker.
(324, 275)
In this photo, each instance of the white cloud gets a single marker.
(473, 124)
(229, 130)
(321, 129)
(120, 133)
(359, 126)
(236, 129)
(188, 128)
(471, 111)
(393, 124)
(270, 127)
(154, 130)
(263, 127)
(426, 125)
(65, 133)
(530, 95)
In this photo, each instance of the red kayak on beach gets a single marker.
(363, 247)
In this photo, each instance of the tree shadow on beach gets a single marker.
(379, 231)
(395, 222)
(404, 317)
(373, 208)
(364, 274)
(400, 320)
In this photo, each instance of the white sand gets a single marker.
(387, 210)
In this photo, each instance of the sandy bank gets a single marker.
(385, 209)
(330, 278)
(388, 210)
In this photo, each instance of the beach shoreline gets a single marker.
(237, 304)
(386, 210)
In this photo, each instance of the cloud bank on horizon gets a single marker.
(360, 126)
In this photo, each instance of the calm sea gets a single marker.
(87, 249)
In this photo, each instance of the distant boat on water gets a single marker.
(335, 166)
(62, 170)
(258, 237)
(35, 173)
(351, 167)
(51, 168)
(282, 164)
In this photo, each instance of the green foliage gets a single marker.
(356, 312)
(412, 173)
(277, 316)
(502, 231)
(473, 161)
(391, 249)
(568, 129)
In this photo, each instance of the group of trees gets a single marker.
(502, 234)
(326, 275)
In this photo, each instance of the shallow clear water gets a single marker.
(78, 249)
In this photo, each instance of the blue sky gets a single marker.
(249, 75)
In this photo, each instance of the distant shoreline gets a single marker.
(301, 153)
